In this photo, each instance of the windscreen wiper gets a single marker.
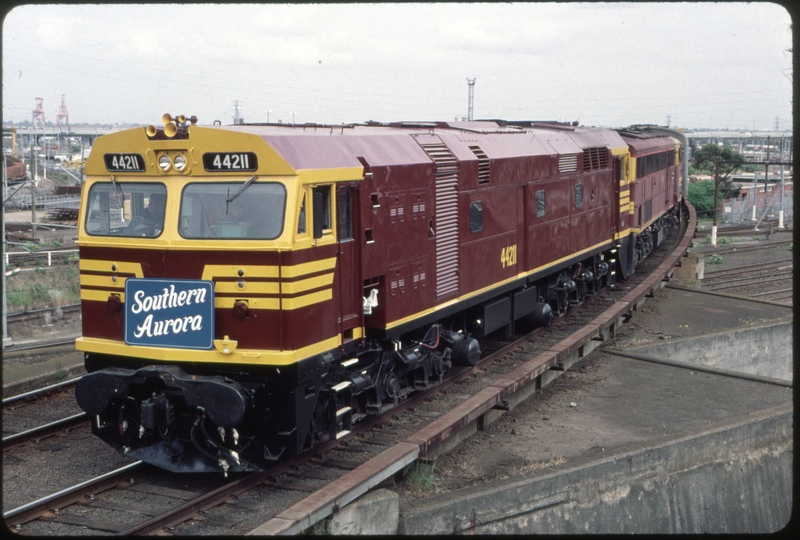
(239, 191)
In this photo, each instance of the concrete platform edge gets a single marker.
(44, 379)
(735, 478)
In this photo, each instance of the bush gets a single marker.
(701, 195)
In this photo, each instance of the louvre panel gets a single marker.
(567, 163)
(446, 218)
(595, 158)
(483, 164)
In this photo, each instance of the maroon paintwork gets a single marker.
(654, 193)
(401, 220)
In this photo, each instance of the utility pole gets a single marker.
(6, 339)
(471, 83)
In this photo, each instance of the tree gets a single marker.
(701, 195)
(704, 161)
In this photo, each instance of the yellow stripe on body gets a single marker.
(307, 300)
(228, 287)
(94, 265)
(312, 267)
(211, 271)
(100, 296)
(237, 356)
(252, 303)
(102, 281)
(307, 284)
(250, 287)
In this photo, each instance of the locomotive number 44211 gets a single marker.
(508, 256)
(230, 161)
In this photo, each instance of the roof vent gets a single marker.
(483, 164)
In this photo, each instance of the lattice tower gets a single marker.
(471, 83)
(62, 113)
(38, 114)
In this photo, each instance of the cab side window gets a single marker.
(301, 220)
(322, 211)
(345, 215)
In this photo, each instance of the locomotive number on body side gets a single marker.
(124, 162)
(508, 256)
(230, 161)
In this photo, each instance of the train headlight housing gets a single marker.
(180, 163)
(164, 163)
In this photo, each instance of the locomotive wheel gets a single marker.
(391, 386)
(466, 352)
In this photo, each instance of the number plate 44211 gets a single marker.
(124, 162)
(230, 161)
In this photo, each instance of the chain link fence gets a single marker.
(738, 211)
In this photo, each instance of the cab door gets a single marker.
(349, 267)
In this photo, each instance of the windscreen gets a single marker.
(232, 210)
(126, 209)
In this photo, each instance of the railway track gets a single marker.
(769, 280)
(296, 494)
(71, 310)
(47, 429)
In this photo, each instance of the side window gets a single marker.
(322, 211)
(578, 195)
(301, 220)
(345, 215)
(476, 217)
(540, 203)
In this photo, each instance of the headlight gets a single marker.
(180, 163)
(164, 163)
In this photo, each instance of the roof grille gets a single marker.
(567, 163)
(483, 164)
(595, 158)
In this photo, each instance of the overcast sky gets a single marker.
(703, 65)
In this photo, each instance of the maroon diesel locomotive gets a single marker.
(250, 291)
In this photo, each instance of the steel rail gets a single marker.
(40, 391)
(27, 512)
(714, 274)
(46, 429)
(17, 348)
(747, 281)
(347, 488)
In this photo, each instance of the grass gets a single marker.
(43, 287)
(541, 465)
(422, 476)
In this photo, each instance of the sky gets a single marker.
(692, 65)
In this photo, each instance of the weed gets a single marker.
(723, 240)
(422, 476)
(58, 242)
(60, 373)
(41, 287)
(714, 259)
(537, 466)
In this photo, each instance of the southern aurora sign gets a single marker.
(169, 313)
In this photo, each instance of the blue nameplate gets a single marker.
(169, 313)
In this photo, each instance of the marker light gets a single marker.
(180, 163)
(164, 163)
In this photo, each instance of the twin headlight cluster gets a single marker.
(165, 163)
